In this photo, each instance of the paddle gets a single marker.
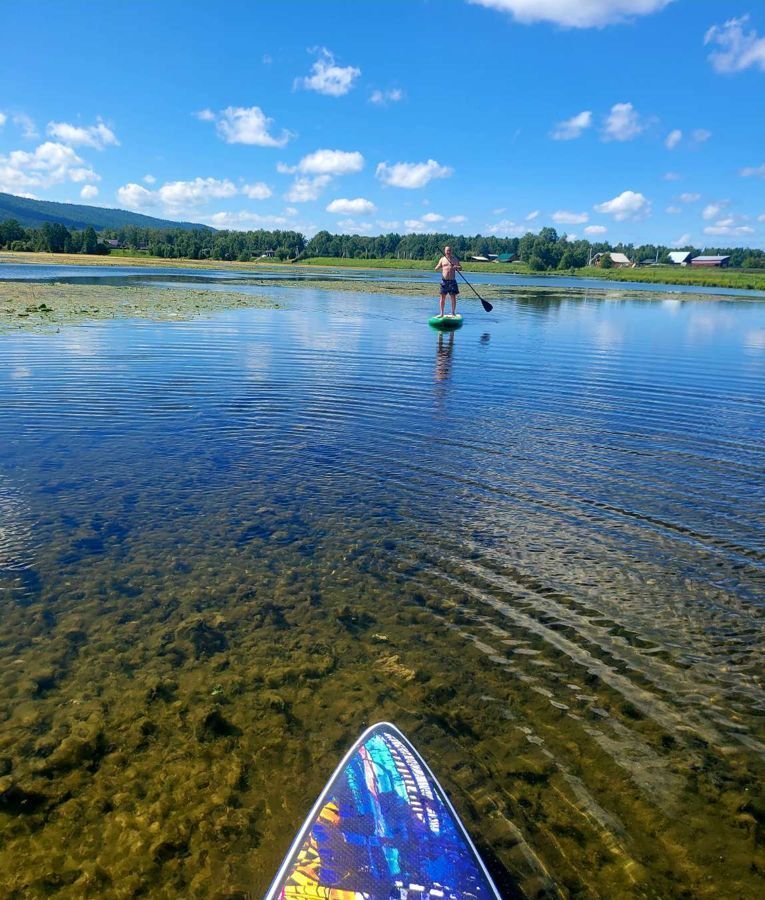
(485, 303)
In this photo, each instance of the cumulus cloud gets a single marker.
(180, 195)
(671, 176)
(750, 171)
(50, 163)
(534, 214)
(578, 14)
(328, 78)
(258, 190)
(506, 228)
(383, 98)
(89, 192)
(149, 179)
(673, 139)
(713, 210)
(730, 226)
(304, 189)
(674, 210)
(245, 220)
(357, 207)
(27, 126)
(330, 162)
(623, 123)
(411, 175)
(136, 196)
(564, 217)
(432, 217)
(682, 241)
(737, 49)
(245, 125)
(97, 136)
(628, 205)
(572, 128)
(595, 229)
(689, 197)
(3, 119)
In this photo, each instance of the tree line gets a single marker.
(544, 251)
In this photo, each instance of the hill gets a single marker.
(32, 214)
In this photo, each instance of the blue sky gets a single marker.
(634, 120)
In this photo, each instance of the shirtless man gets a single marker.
(449, 266)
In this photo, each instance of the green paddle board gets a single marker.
(446, 323)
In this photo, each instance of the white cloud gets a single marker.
(689, 198)
(135, 196)
(97, 136)
(329, 162)
(713, 210)
(738, 50)
(357, 207)
(50, 163)
(671, 176)
(388, 224)
(534, 214)
(701, 135)
(564, 217)
(506, 228)
(245, 220)
(3, 119)
(673, 139)
(761, 218)
(572, 128)
(570, 238)
(327, 78)
(674, 210)
(595, 229)
(750, 171)
(574, 13)
(411, 175)
(245, 125)
(415, 225)
(457, 220)
(432, 217)
(27, 126)
(623, 123)
(682, 241)
(304, 189)
(149, 179)
(179, 195)
(728, 227)
(383, 98)
(351, 225)
(628, 205)
(258, 190)
(89, 192)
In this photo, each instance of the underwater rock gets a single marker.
(211, 723)
(15, 799)
(83, 748)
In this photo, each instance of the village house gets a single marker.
(620, 260)
(720, 262)
(680, 257)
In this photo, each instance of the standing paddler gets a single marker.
(449, 266)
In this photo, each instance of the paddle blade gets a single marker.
(486, 305)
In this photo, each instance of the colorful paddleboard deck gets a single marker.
(446, 322)
(382, 829)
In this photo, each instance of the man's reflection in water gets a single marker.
(485, 338)
(444, 356)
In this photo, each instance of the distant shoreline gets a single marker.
(661, 276)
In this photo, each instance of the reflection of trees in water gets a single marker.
(540, 303)
(444, 351)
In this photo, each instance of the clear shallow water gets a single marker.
(536, 544)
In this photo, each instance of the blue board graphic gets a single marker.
(383, 829)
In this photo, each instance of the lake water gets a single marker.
(537, 545)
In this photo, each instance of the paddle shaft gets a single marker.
(485, 303)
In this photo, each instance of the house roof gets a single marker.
(710, 258)
(679, 256)
(619, 257)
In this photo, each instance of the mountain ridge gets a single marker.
(33, 213)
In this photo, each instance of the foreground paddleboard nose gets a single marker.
(446, 323)
(383, 829)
